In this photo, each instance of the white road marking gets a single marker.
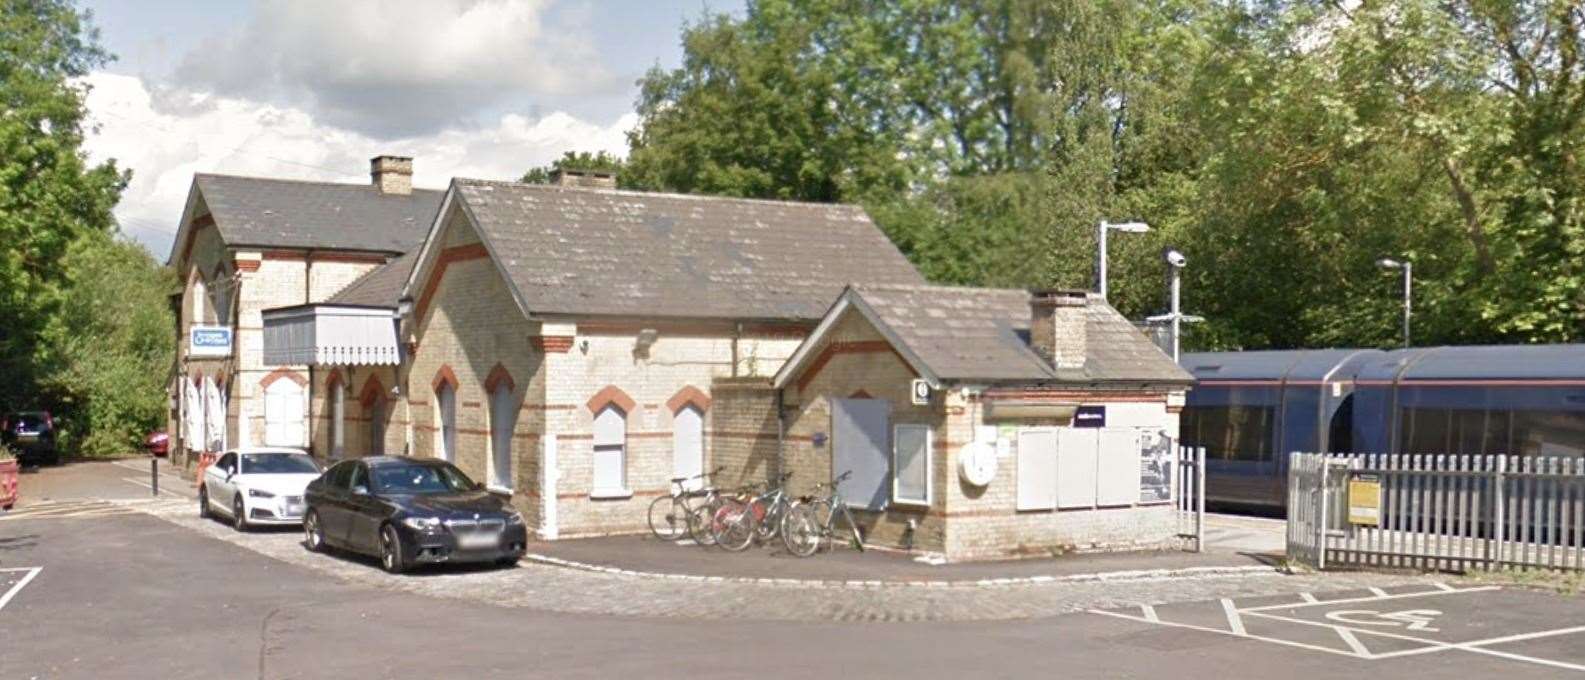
(1373, 598)
(1476, 647)
(1150, 613)
(1308, 597)
(1235, 623)
(1444, 586)
(1378, 592)
(1354, 643)
(32, 571)
(164, 490)
(1218, 631)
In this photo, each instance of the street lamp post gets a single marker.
(1408, 289)
(1175, 263)
(1100, 233)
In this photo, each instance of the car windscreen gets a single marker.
(32, 422)
(419, 479)
(278, 464)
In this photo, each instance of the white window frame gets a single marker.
(897, 496)
(445, 444)
(200, 291)
(497, 406)
(597, 446)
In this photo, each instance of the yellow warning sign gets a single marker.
(1364, 499)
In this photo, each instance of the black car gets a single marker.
(411, 511)
(31, 434)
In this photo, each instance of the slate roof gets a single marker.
(381, 286)
(604, 252)
(975, 334)
(278, 213)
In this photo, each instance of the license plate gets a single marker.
(294, 509)
(469, 541)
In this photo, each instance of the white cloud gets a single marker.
(164, 136)
(398, 68)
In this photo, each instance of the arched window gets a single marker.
(376, 412)
(503, 419)
(687, 444)
(338, 420)
(446, 417)
(283, 413)
(610, 452)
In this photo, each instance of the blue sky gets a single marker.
(311, 90)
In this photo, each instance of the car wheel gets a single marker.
(391, 551)
(313, 533)
(239, 518)
(203, 503)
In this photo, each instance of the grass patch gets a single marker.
(1564, 582)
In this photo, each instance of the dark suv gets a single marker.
(31, 434)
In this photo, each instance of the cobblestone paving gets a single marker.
(552, 588)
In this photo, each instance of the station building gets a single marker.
(576, 347)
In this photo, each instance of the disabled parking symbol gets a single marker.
(1410, 619)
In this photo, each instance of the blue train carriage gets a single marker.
(1524, 400)
(1249, 409)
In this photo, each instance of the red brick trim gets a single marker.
(549, 407)
(443, 376)
(860, 394)
(471, 404)
(688, 395)
(610, 395)
(247, 265)
(1070, 395)
(551, 344)
(472, 251)
(499, 376)
(334, 380)
(286, 255)
(279, 373)
(854, 347)
(353, 258)
(372, 390)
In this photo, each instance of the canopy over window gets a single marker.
(331, 335)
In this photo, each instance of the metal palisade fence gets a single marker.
(1190, 499)
(1436, 512)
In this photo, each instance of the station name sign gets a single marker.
(1090, 416)
(209, 341)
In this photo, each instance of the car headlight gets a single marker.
(260, 493)
(514, 518)
(422, 523)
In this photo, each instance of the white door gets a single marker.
(283, 414)
(1037, 469)
(446, 403)
(861, 445)
(687, 445)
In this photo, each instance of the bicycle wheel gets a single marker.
(699, 520)
(668, 518)
(769, 526)
(734, 525)
(801, 529)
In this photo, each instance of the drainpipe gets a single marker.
(781, 436)
(737, 334)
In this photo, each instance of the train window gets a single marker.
(1241, 433)
(1549, 433)
(1425, 430)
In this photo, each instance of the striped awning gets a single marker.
(331, 335)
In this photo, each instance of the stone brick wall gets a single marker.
(359, 386)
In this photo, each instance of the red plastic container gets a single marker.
(8, 483)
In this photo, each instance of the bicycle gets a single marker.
(759, 517)
(812, 520)
(671, 516)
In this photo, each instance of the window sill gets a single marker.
(610, 494)
(905, 504)
(502, 490)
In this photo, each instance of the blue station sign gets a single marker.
(1090, 416)
(209, 341)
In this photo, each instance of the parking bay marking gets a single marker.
(17, 587)
(1411, 619)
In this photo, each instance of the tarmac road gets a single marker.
(104, 591)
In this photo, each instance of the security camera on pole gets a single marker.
(1175, 264)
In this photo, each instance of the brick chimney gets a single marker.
(1057, 329)
(589, 179)
(392, 174)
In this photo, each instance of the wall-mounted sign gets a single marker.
(209, 341)
(1155, 467)
(818, 439)
(1364, 499)
(1090, 416)
(921, 392)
